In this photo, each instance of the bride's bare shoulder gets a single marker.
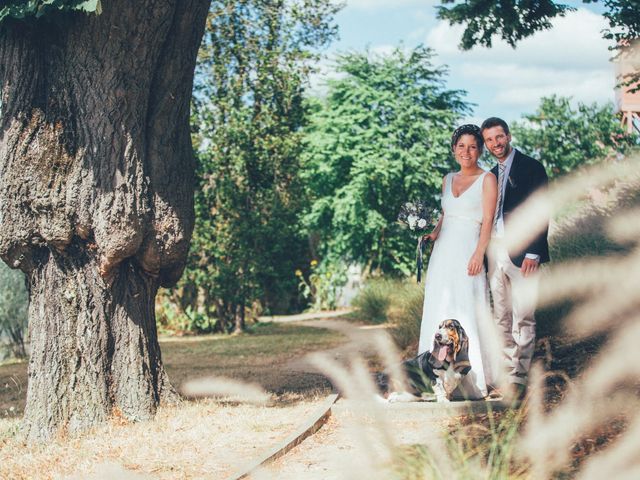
(490, 181)
(490, 177)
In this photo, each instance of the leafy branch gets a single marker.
(21, 10)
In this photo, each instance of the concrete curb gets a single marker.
(308, 428)
(450, 409)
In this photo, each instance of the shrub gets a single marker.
(375, 298)
(406, 314)
(171, 318)
(398, 302)
(321, 288)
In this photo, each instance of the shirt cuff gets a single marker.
(533, 256)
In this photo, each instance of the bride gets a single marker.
(455, 283)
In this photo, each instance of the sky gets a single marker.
(571, 59)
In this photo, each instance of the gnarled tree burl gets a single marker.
(96, 198)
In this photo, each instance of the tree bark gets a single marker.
(239, 320)
(96, 199)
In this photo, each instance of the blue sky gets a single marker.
(571, 59)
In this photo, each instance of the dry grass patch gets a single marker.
(194, 440)
(13, 389)
(203, 438)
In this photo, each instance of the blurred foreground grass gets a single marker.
(581, 418)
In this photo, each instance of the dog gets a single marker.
(440, 370)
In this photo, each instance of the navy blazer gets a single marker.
(525, 176)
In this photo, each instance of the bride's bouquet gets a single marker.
(419, 218)
(415, 215)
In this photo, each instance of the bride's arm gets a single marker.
(436, 231)
(489, 199)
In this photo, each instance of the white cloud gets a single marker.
(574, 41)
(387, 4)
(597, 87)
(571, 59)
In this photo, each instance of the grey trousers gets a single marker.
(514, 302)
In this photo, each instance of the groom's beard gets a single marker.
(502, 153)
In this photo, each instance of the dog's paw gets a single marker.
(395, 397)
(428, 397)
(442, 395)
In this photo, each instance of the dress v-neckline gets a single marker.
(466, 189)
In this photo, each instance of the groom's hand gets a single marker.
(529, 266)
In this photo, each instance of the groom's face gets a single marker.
(497, 141)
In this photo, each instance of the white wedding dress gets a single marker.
(451, 293)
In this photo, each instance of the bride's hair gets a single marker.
(467, 129)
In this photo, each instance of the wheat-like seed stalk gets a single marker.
(531, 218)
(228, 389)
(608, 299)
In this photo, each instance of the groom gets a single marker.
(513, 275)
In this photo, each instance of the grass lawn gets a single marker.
(195, 439)
(260, 356)
(257, 356)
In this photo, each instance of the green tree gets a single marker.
(254, 65)
(563, 138)
(13, 309)
(381, 137)
(513, 20)
(21, 9)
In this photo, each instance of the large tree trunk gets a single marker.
(96, 199)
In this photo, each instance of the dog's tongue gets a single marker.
(442, 353)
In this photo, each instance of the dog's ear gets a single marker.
(461, 363)
(461, 342)
(454, 333)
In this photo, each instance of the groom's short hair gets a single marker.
(494, 122)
